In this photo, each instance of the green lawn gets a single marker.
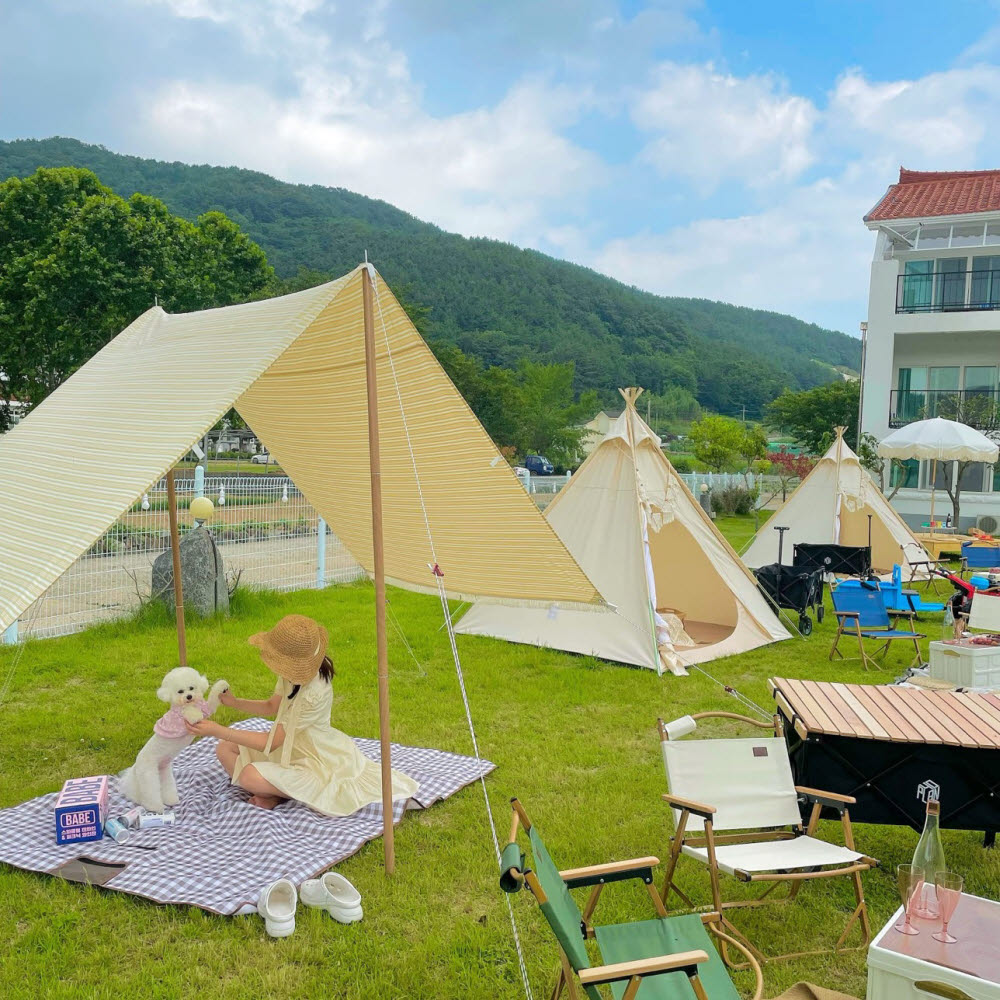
(573, 737)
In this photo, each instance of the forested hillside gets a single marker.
(496, 301)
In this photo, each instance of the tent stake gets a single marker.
(375, 466)
(175, 552)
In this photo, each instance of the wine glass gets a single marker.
(910, 881)
(949, 892)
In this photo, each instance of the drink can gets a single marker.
(151, 820)
(132, 817)
(117, 831)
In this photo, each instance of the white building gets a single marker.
(933, 339)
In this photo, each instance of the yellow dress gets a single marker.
(317, 764)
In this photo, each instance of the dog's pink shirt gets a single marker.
(171, 723)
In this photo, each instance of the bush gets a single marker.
(734, 500)
(682, 464)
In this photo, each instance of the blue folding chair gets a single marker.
(978, 556)
(862, 612)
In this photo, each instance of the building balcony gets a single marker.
(948, 291)
(979, 408)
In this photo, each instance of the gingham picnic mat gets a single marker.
(223, 850)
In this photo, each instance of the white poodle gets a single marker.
(150, 781)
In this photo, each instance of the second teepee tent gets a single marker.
(679, 593)
(832, 505)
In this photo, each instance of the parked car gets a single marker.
(262, 459)
(538, 465)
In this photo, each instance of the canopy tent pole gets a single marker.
(175, 552)
(381, 641)
(933, 488)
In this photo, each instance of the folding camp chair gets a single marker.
(862, 612)
(666, 958)
(736, 810)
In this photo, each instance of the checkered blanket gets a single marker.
(222, 850)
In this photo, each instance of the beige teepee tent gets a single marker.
(832, 505)
(680, 593)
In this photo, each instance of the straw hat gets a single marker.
(294, 648)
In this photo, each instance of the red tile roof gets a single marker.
(923, 193)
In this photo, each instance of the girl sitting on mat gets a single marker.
(302, 757)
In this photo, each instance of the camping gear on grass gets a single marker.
(862, 612)
(831, 506)
(220, 849)
(976, 555)
(670, 958)
(799, 590)
(923, 967)
(720, 786)
(834, 560)
(643, 539)
(896, 596)
(892, 746)
(81, 810)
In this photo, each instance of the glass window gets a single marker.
(967, 234)
(905, 474)
(933, 237)
(944, 378)
(972, 477)
(917, 285)
(985, 289)
(949, 288)
(993, 234)
(980, 378)
(943, 397)
(911, 400)
(942, 477)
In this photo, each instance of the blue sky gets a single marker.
(717, 149)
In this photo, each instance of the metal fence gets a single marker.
(269, 536)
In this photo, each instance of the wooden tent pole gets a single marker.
(175, 552)
(375, 466)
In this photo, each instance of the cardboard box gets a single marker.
(81, 810)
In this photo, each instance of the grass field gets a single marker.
(573, 737)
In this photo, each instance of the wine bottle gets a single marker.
(929, 856)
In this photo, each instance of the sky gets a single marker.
(723, 149)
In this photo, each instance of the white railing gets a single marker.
(268, 534)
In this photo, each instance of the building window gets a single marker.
(985, 289)
(918, 284)
(949, 287)
(906, 475)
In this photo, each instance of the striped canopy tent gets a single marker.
(303, 371)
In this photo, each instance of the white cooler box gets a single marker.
(920, 968)
(965, 664)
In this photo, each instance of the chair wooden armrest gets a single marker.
(827, 798)
(698, 808)
(613, 871)
(686, 961)
(847, 614)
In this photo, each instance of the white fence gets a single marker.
(267, 532)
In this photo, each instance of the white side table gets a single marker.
(920, 968)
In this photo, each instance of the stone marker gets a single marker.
(203, 575)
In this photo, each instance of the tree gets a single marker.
(717, 441)
(789, 468)
(78, 264)
(874, 463)
(811, 416)
(752, 449)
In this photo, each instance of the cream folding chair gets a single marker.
(736, 811)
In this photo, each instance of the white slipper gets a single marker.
(276, 904)
(333, 893)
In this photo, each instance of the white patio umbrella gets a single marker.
(939, 440)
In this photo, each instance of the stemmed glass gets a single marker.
(910, 881)
(949, 891)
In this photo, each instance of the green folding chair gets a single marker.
(666, 958)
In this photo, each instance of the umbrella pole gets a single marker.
(933, 487)
(378, 551)
(175, 552)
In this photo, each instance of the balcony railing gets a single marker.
(948, 291)
(979, 408)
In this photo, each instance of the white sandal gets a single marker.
(333, 893)
(276, 904)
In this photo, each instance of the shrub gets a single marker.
(734, 500)
(682, 464)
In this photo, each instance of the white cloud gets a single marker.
(708, 126)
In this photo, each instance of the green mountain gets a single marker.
(494, 300)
